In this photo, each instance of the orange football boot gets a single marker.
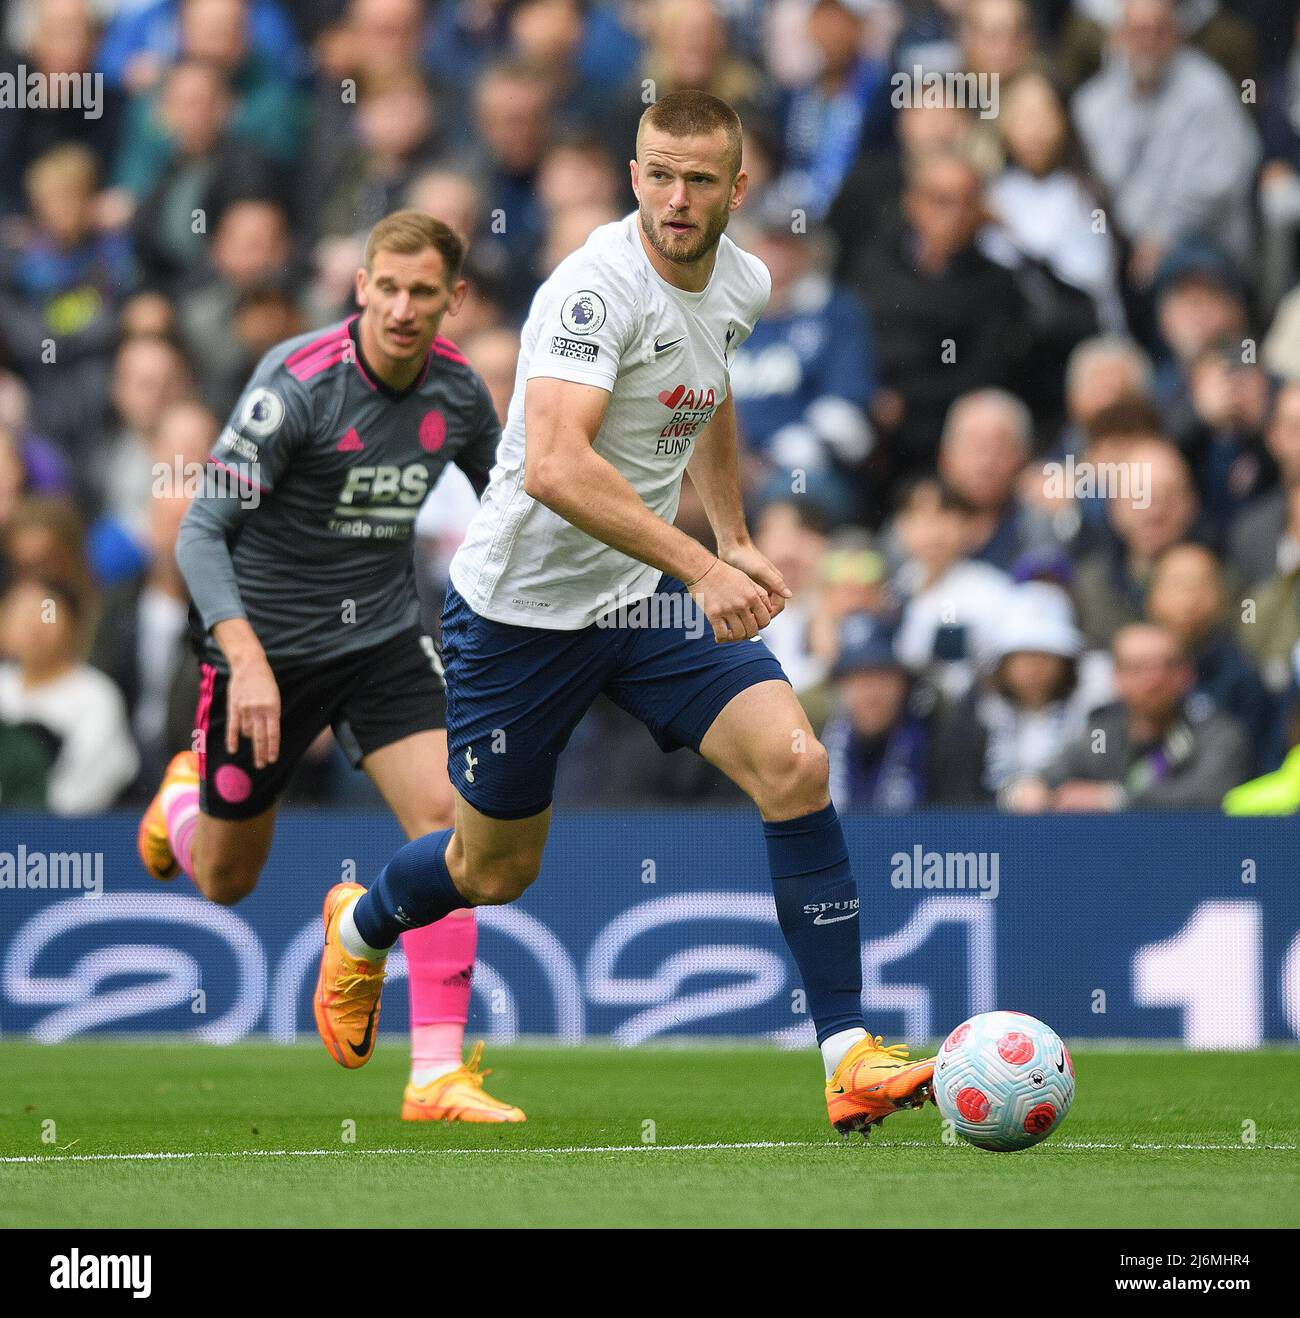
(457, 1096)
(346, 1002)
(151, 839)
(871, 1082)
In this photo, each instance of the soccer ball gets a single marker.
(1004, 1079)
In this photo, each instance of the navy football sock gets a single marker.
(817, 906)
(412, 890)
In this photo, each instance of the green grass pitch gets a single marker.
(740, 1139)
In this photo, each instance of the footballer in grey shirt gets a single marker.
(298, 560)
(309, 537)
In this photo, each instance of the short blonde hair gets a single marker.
(694, 114)
(410, 231)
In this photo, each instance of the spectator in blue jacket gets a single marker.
(144, 38)
(804, 379)
(464, 37)
(842, 108)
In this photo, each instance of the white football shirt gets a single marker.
(605, 317)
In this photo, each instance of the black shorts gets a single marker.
(371, 698)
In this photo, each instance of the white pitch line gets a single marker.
(569, 1150)
(348, 1153)
(1138, 1147)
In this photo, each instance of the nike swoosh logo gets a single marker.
(1060, 1066)
(663, 347)
(364, 1047)
(835, 919)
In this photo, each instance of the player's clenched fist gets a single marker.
(253, 709)
(759, 568)
(735, 605)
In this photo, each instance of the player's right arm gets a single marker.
(249, 456)
(253, 702)
(563, 471)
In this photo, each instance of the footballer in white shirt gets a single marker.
(573, 582)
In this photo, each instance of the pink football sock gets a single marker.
(440, 967)
(181, 809)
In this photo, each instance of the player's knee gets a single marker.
(501, 880)
(433, 818)
(225, 882)
(436, 809)
(795, 783)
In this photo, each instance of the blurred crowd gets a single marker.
(1021, 426)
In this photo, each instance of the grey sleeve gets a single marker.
(1220, 761)
(479, 456)
(203, 556)
(269, 421)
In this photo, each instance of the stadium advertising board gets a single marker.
(661, 926)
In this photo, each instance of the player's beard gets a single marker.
(690, 249)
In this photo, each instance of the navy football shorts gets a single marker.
(515, 694)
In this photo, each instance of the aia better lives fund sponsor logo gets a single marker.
(691, 410)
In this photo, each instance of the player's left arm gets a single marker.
(714, 469)
(479, 456)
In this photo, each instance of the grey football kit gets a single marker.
(305, 531)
